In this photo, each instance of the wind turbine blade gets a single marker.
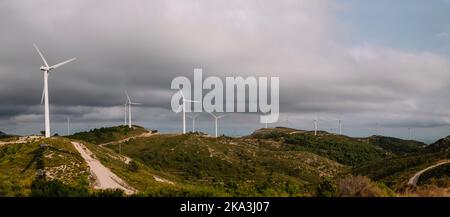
(63, 63)
(128, 97)
(40, 54)
(188, 100)
(221, 116)
(135, 103)
(43, 93)
(182, 94)
(212, 114)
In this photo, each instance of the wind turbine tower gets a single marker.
(45, 97)
(129, 103)
(193, 117)
(183, 107)
(68, 125)
(217, 118)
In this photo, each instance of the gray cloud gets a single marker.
(141, 46)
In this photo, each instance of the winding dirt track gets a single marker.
(415, 178)
(105, 179)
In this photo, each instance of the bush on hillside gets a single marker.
(327, 188)
(359, 186)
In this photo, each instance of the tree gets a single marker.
(327, 188)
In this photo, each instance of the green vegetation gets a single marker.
(242, 167)
(395, 171)
(21, 165)
(439, 176)
(327, 188)
(108, 134)
(270, 162)
(5, 137)
(346, 150)
(395, 145)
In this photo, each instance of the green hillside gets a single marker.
(343, 149)
(241, 167)
(439, 176)
(108, 134)
(6, 137)
(269, 162)
(396, 170)
(22, 168)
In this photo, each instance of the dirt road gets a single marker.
(105, 179)
(415, 178)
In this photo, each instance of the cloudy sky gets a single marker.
(381, 66)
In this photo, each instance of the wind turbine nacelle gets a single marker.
(44, 68)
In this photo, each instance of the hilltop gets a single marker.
(343, 149)
(4, 136)
(108, 134)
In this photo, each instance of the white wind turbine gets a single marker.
(46, 69)
(216, 118)
(193, 117)
(183, 107)
(129, 103)
(125, 112)
(68, 125)
(316, 125)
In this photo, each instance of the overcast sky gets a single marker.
(380, 66)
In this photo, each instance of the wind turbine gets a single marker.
(183, 106)
(340, 127)
(125, 113)
(315, 127)
(46, 69)
(129, 103)
(217, 118)
(316, 124)
(193, 117)
(68, 125)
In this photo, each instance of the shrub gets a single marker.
(359, 186)
(327, 188)
(133, 166)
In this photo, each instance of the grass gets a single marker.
(108, 134)
(21, 166)
(395, 171)
(343, 149)
(235, 166)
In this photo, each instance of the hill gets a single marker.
(440, 145)
(6, 137)
(343, 149)
(396, 170)
(108, 134)
(269, 162)
(28, 169)
(438, 176)
(53, 167)
(239, 167)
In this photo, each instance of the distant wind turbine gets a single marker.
(125, 113)
(193, 117)
(45, 98)
(183, 107)
(316, 124)
(68, 125)
(217, 118)
(129, 103)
